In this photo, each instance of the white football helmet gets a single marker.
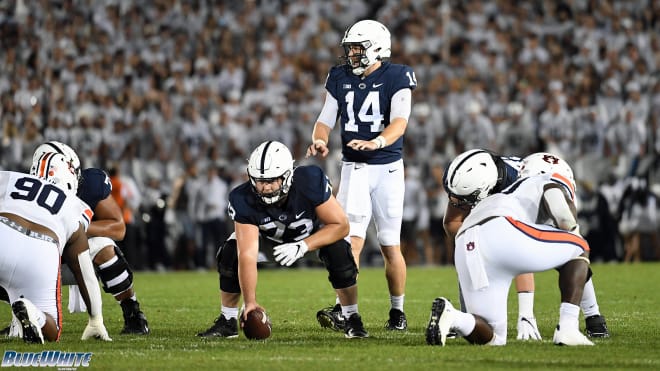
(471, 177)
(544, 162)
(271, 160)
(61, 148)
(373, 37)
(56, 169)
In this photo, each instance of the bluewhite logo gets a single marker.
(46, 358)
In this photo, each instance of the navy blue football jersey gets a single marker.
(292, 221)
(364, 107)
(94, 186)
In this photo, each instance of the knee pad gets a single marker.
(116, 274)
(338, 260)
(227, 260)
(97, 244)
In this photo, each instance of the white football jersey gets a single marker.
(43, 203)
(522, 201)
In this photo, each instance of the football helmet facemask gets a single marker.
(271, 160)
(470, 177)
(57, 169)
(60, 148)
(372, 39)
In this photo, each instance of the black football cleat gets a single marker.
(221, 328)
(397, 321)
(354, 329)
(26, 314)
(135, 322)
(331, 318)
(596, 326)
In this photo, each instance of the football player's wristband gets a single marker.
(380, 141)
(320, 141)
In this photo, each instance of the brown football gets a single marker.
(257, 326)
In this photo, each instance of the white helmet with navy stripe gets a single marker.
(57, 169)
(271, 160)
(471, 177)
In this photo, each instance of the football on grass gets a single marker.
(257, 325)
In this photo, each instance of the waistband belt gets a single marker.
(40, 236)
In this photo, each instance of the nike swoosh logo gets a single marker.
(299, 215)
(378, 85)
(393, 170)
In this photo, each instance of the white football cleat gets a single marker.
(15, 328)
(570, 337)
(440, 321)
(27, 315)
(527, 329)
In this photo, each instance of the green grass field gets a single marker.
(178, 305)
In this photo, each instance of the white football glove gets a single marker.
(527, 329)
(288, 253)
(95, 329)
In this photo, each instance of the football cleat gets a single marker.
(26, 314)
(331, 318)
(222, 328)
(135, 322)
(440, 321)
(397, 321)
(596, 326)
(570, 337)
(354, 327)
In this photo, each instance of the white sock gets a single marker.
(568, 316)
(464, 323)
(348, 310)
(588, 303)
(229, 312)
(396, 302)
(526, 304)
(337, 300)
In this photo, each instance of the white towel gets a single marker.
(474, 260)
(76, 302)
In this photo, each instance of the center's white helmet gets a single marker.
(471, 176)
(271, 160)
(373, 37)
(57, 169)
(60, 148)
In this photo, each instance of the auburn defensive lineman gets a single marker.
(372, 99)
(106, 228)
(466, 178)
(293, 211)
(41, 219)
(486, 262)
(460, 181)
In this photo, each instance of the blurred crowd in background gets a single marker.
(170, 97)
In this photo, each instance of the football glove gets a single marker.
(95, 329)
(527, 329)
(288, 253)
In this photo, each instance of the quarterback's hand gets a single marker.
(288, 253)
(319, 146)
(95, 329)
(527, 329)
